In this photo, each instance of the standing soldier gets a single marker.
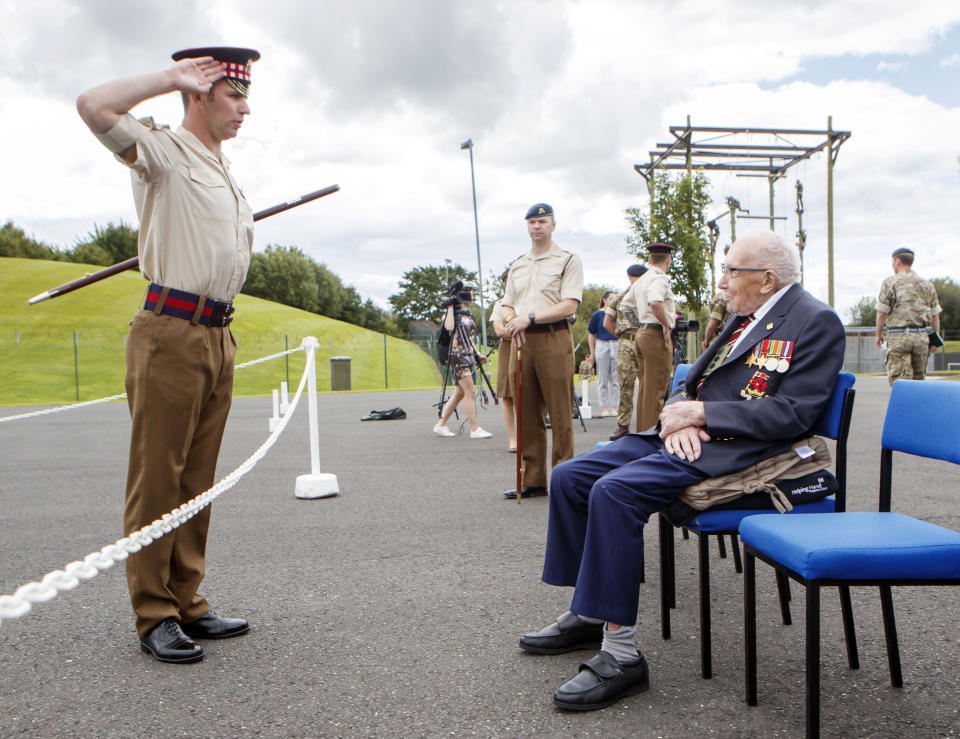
(656, 312)
(909, 308)
(544, 288)
(623, 323)
(718, 317)
(196, 235)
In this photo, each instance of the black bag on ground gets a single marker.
(391, 414)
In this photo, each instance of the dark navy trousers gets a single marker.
(599, 504)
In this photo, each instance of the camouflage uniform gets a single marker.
(718, 310)
(910, 302)
(627, 363)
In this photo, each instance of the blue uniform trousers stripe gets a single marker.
(599, 504)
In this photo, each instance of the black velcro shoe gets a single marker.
(212, 626)
(575, 633)
(601, 682)
(533, 491)
(166, 642)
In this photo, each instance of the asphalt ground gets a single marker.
(395, 608)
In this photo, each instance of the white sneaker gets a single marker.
(442, 431)
(480, 434)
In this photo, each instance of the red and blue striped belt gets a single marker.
(190, 307)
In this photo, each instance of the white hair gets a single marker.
(775, 254)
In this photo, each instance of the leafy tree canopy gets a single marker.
(422, 288)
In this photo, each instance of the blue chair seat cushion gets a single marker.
(856, 546)
(724, 520)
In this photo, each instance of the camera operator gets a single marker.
(461, 360)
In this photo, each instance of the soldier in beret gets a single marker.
(196, 236)
(909, 309)
(623, 323)
(544, 288)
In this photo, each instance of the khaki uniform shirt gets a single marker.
(496, 313)
(653, 286)
(196, 229)
(535, 283)
(909, 300)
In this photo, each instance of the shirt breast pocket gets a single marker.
(549, 278)
(210, 196)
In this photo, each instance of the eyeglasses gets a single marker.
(734, 271)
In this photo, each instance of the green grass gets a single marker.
(37, 341)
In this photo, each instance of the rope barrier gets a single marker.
(58, 581)
(121, 396)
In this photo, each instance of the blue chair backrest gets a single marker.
(828, 424)
(923, 418)
(678, 376)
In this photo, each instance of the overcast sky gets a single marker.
(560, 98)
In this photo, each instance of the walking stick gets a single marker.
(519, 410)
(135, 261)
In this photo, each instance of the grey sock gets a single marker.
(588, 620)
(621, 644)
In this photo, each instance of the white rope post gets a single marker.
(275, 418)
(317, 484)
(585, 412)
(284, 398)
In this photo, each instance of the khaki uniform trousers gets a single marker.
(655, 361)
(506, 369)
(907, 356)
(179, 385)
(627, 375)
(546, 385)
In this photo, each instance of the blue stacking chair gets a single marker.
(834, 423)
(862, 548)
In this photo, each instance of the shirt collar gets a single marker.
(198, 148)
(553, 251)
(771, 301)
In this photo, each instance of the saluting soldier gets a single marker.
(544, 288)
(656, 313)
(196, 236)
(623, 323)
(909, 309)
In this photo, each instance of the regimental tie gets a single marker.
(724, 350)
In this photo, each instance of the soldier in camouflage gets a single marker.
(625, 327)
(909, 309)
(718, 317)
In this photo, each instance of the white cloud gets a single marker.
(950, 61)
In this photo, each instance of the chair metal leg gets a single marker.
(750, 627)
(890, 630)
(706, 646)
(666, 575)
(721, 546)
(849, 630)
(813, 661)
(735, 545)
(686, 534)
(783, 591)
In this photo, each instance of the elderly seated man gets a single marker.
(760, 385)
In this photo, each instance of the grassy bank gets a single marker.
(41, 361)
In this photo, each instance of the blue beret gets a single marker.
(540, 209)
(636, 270)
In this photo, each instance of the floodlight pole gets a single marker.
(468, 144)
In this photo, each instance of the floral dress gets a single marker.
(461, 357)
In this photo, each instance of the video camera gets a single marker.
(457, 294)
(682, 326)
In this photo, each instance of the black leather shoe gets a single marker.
(620, 432)
(534, 491)
(167, 643)
(574, 634)
(601, 682)
(212, 626)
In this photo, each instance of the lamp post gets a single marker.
(446, 272)
(468, 144)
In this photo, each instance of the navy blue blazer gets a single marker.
(772, 388)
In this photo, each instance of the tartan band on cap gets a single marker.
(236, 60)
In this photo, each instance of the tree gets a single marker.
(678, 217)
(285, 275)
(117, 241)
(421, 291)
(15, 243)
(948, 294)
(864, 312)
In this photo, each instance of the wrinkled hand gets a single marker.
(197, 75)
(681, 415)
(686, 442)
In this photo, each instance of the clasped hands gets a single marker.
(681, 428)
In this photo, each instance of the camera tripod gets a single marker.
(462, 337)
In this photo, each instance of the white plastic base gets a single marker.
(323, 485)
(585, 413)
(274, 422)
